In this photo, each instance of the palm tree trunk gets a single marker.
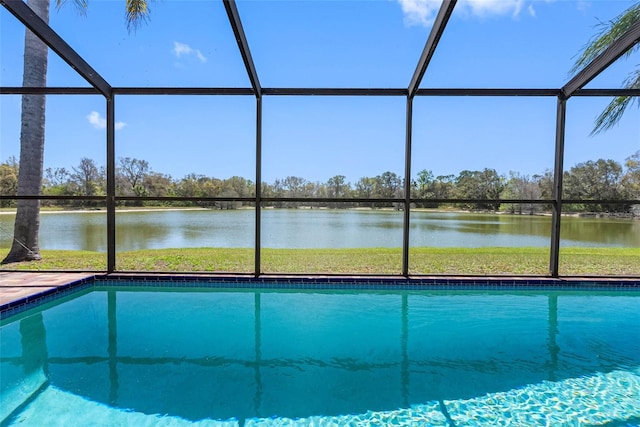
(27, 224)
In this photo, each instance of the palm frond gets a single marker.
(137, 12)
(81, 5)
(612, 114)
(609, 32)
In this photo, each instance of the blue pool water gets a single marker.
(206, 357)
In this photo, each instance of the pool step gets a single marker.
(13, 399)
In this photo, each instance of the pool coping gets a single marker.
(43, 293)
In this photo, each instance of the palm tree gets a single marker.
(610, 32)
(25, 245)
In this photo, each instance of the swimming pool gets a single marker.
(125, 353)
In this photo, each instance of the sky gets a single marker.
(328, 43)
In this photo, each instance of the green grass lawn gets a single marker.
(451, 261)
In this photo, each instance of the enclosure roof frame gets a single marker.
(439, 25)
(603, 60)
(243, 45)
(33, 22)
(100, 86)
(574, 86)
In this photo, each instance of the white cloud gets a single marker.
(423, 12)
(180, 49)
(419, 12)
(493, 7)
(583, 5)
(101, 123)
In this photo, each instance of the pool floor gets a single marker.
(602, 399)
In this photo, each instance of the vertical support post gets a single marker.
(258, 242)
(407, 189)
(111, 185)
(558, 170)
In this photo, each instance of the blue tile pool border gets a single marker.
(319, 283)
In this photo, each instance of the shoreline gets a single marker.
(586, 215)
(67, 211)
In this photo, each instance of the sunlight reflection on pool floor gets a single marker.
(597, 400)
(594, 400)
(611, 399)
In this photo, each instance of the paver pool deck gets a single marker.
(17, 285)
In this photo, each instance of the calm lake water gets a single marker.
(303, 228)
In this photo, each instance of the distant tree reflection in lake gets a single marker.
(319, 228)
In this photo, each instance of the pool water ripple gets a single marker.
(597, 400)
(261, 358)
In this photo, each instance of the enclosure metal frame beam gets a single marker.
(607, 92)
(283, 91)
(182, 91)
(111, 184)
(99, 86)
(554, 261)
(602, 61)
(329, 200)
(33, 22)
(241, 39)
(233, 91)
(407, 187)
(243, 45)
(440, 23)
(14, 90)
(487, 92)
(42, 30)
(258, 199)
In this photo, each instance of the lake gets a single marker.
(318, 228)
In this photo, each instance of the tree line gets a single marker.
(605, 180)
